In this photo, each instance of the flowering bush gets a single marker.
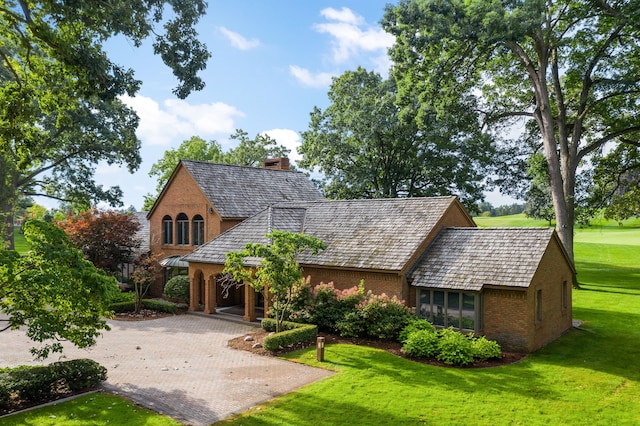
(378, 316)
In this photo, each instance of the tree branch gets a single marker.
(597, 144)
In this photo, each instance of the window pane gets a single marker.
(424, 308)
(453, 310)
(198, 231)
(468, 311)
(167, 231)
(438, 307)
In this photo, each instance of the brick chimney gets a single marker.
(280, 163)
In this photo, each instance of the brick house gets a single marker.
(512, 285)
(201, 200)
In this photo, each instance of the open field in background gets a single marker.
(19, 242)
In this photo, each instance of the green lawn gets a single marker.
(19, 242)
(585, 378)
(96, 409)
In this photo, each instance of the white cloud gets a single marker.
(174, 119)
(238, 41)
(304, 76)
(351, 35)
(289, 138)
(343, 15)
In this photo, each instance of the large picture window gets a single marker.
(182, 229)
(167, 230)
(451, 309)
(198, 230)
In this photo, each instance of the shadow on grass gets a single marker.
(176, 403)
(602, 275)
(422, 379)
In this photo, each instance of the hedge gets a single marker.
(156, 305)
(292, 333)
(38, 383)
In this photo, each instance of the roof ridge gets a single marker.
(239, 166)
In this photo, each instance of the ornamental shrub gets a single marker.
(177, 288)
(414, 324)
(421, 343)
(454, 348)
(80, 373)
(5, 389)
(293, 333)
(484, 349)
(159, 305)
(33, 383)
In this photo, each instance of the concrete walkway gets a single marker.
(179, 366)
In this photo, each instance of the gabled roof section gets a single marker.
(469, 258)
(374, 234)
(240, 192)
(252, 230)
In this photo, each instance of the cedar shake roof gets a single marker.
(469, 258)
(239, 191)
(143, 233)
(377, 234)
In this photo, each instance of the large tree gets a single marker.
(367, 147)
(53, 291)
(248, 152)
(572, 67)
(60, 112)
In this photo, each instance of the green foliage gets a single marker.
(454, 348)
(278, 270)
(324, 305)
(32, 383)
(38, 383)
(569, 71)
(156, 305)
(159, 305)
(378, 316)
(178, 288)
(119, 296)
(367, 147)
(421, 343)
(290, 334)
(62, 96)
(486, 349)
(414, 324)
(53, 291)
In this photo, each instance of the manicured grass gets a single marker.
(19, 242)
(95, 409)
(587, 377)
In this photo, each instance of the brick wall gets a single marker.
(390, 284)
(506, 318)
(182, 195)
(556, 318)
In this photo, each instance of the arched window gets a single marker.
(182, 229)
(167, 230)
(197, 229)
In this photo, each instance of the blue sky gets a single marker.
(272, 62)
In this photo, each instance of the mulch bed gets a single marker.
(16, 405)
(241, 343)
(145, 315)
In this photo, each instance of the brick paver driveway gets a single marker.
(180, 366)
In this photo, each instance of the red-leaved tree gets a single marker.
(107, 238)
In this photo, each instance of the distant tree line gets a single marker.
(487, 209)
